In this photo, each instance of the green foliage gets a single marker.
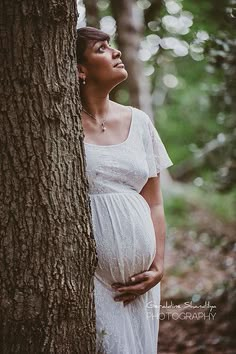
(221, 205)
(186, 120)
(201, 107)
(176, 211)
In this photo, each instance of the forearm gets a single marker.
(158, 218)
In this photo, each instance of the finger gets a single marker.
(117, 285)
(132, 280)
(139, 277)
(125, 297)
(120, 285)
(132, 284)
(137, 289)
(135, 285)
(128, 302)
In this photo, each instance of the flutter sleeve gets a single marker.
(156, 154)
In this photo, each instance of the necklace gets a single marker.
(103, 122)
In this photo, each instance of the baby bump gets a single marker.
(124, 235)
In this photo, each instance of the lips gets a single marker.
(119, 64)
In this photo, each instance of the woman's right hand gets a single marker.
(138, 285)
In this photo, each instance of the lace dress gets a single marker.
(125, 235)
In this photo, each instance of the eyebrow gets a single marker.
(99, 42)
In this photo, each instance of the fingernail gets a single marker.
(132, 279)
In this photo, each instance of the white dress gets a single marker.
(125, 235)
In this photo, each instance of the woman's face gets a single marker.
(100, 65)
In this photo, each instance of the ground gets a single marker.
(200, 267)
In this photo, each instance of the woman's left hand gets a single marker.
(138, 285)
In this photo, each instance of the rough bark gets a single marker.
(92, 13)
(129, 19)
(47, 248)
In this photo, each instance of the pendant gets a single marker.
(103, 128)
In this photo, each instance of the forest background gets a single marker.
(187, 55)
(181, 60)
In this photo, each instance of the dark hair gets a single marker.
(84, 36)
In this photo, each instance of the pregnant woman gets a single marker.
(124, 156)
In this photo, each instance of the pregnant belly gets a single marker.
(124, 235)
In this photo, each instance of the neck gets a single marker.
(95, 102)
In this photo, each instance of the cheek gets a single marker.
(100, 68)
(99, 73)
(104, 63)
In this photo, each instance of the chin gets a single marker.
(123, 75)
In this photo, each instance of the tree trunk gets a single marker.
(129, 19)
(92, 13)
(47, 248)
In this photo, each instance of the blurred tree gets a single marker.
(47, 252)
(92, 13)
(130, 27)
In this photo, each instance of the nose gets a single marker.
(116, 53)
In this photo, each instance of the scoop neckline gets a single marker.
(123, 142)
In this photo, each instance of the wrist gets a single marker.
(157, 267)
